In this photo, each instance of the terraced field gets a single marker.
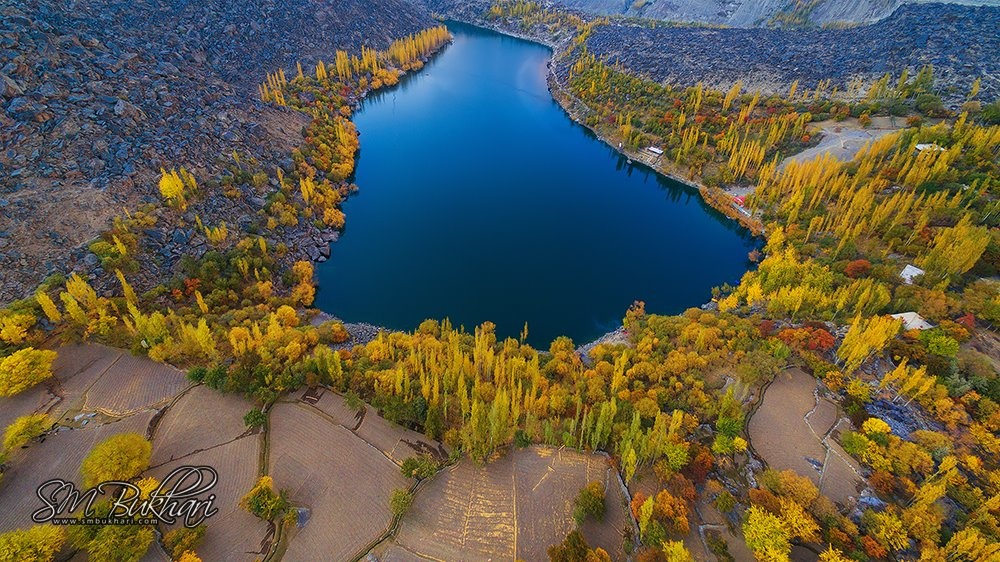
(200, 419)
(205, 427)
(397, 442)
(513, 508)
(96, 392)
(344, 481)
(59, 456)
(99, 391)
(233, 534)
(340, 464)
(793, 429)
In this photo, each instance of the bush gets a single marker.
(521, 439)
(197, 374)
(24, 429)
(725, 502)
(263, 501)
(573, 549)
(939, 343)
(24, 369)
(858, 268)
(216, 377)
(255, 418)
(119, 457)
(183, 539)
(991, 113)
(400, 501)
(41, 542)
(929, 104)
(589, 503)
(419, 467)
(354, 401)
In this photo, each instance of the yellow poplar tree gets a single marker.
(40, 543)
(48, 307)
(766, 535)
(23, 369)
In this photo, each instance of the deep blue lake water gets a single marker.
(479, 199)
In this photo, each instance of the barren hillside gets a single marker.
(97, 95)
(753, 13)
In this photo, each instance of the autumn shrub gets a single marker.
(589, 503)
(183, 539)
(24, 429)
(419, 467)
(24, 369)
(263, 501)
(40, 543)
(119, 457)
(400, 501)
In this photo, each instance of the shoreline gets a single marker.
(362, 333)
(716, 198)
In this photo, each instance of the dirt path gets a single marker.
(844, 139)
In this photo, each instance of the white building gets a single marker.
(909, 273)
(913, 321)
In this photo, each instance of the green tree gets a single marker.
(255, 418)
(991, 113)
(929, 104)
(574, 548)
(263, 501)
(589, 503)
(419, 467)
(400, 501)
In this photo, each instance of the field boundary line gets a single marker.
(391, 531)
(513, 480)
(331, 419)
(244, 435)
(84, 396)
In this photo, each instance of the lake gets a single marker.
(479, 199)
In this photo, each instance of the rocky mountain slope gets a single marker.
(753, 13)
(97, 95)
(960, 42)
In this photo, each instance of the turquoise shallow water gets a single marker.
(479, 199)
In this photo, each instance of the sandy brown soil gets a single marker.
(343, 481)
(514, 507)
(842, 140)
(200, 419)
(792, 430)
(396, 442)
(233, 534)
